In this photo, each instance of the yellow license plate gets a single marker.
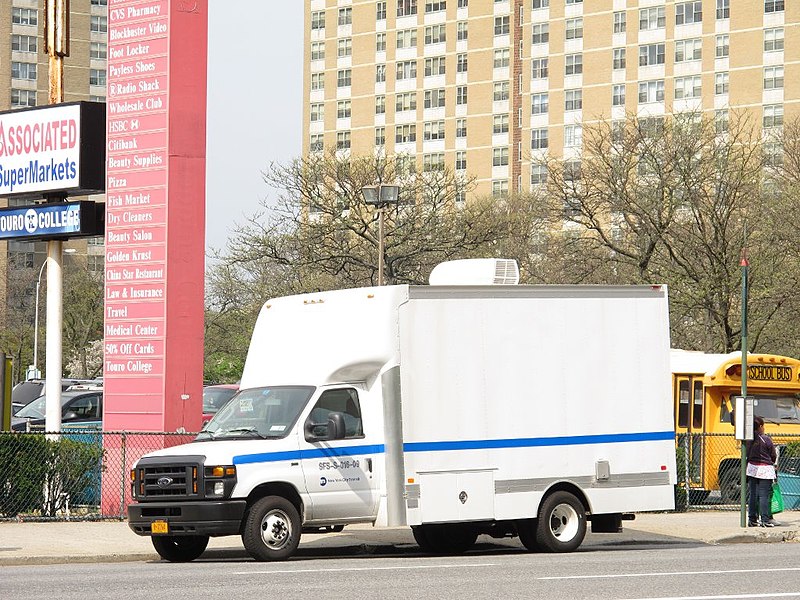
(159, 527)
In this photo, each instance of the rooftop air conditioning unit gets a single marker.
(476, 271)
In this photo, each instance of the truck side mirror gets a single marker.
(336, 427)
(333, 429)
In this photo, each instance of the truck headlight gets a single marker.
(219, 488)
(219, 480)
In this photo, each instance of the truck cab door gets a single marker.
(340, 474)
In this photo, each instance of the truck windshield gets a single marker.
(268, 412)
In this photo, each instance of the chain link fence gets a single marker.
(711, 464)
(75, 475)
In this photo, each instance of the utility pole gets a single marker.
(56, 38)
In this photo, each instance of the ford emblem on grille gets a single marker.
(164, 482)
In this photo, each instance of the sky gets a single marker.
(256, 48)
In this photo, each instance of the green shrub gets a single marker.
(22, 473)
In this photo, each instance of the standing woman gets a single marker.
(761, 459)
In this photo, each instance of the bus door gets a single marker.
(689, 424)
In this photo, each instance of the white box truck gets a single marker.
(508, 410)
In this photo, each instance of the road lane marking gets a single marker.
(728, 597)
(283, 571)
(720, 572)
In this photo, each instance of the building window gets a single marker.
(380, 105)
(435, 34)
(380, 42)
(344, 47)
(433, 130)
(343, 140)
(573, 99)
(502, 58)
(461, 63)
(500, 157)
(380, 136)
(773, 154)
(461, 31)
(651, 91)
(500, 124)
(686, 50)
(435, 5)
(344, 78)
(96, 98)
(345, 16)
(651, 54)
(405, 101)
(99, 2)
(620, 21)
(461, 128)
(343, 109)
(434, 98)
(406, 8)
(380, 10)
(434, 66)
(98, 50)
(540, 33)
(539, 139)
(317, 50)
(97, 76)
(461, 160)
(721, 82)
(23, 70)
(380, 73)
(98, 24)
(500, 188)
(404, 134)
(316, 143)
(23, 97)
(618, 95)
(574, 29)
(502, 25)
(317, 20)
(721, 121)
(723, 46)
(317, 112)
(540, 104)
(688, 12)
(463, 3)
(573, 136)
(723, 9)
(773, 115)
(406, 69)
(618, 58)
(539, 68)
(773, 78)
(652, 18)
(406, 38)
(540, 4)
(461, 94)
(433, 162)
(23, 43)
(501, 91)
(24, 16)
(773, 39)
(771, 6)
(573, 64)
(687, 87)
(538, 174)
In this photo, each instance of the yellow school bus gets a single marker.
(704, 387)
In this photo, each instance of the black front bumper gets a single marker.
(213, 518)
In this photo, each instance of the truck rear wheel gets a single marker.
(180, 548)
(561, 525)
(272, 529)
(445, 538)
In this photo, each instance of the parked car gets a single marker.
(25, 392)
(215, 397)
(81, 405)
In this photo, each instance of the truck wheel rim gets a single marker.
(564, 522)
(276, 529)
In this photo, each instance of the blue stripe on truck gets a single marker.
(574, 440)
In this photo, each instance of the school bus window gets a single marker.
(725, 413)
(683, 404)
(777, 409)
(697, 412)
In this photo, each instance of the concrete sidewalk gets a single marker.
(113, 541)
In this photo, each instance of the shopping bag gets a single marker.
(776, 505)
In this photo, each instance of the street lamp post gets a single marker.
(33, 370)
(380, 196)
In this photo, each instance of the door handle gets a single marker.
(369, 465)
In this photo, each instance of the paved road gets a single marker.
(628, 569)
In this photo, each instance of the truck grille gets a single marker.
(159, 479)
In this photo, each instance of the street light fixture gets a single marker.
(380, 196)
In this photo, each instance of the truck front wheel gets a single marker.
(272, 529)
(180, 548)
(561, 525)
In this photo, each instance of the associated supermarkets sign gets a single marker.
(55, 149)
(52, 221)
